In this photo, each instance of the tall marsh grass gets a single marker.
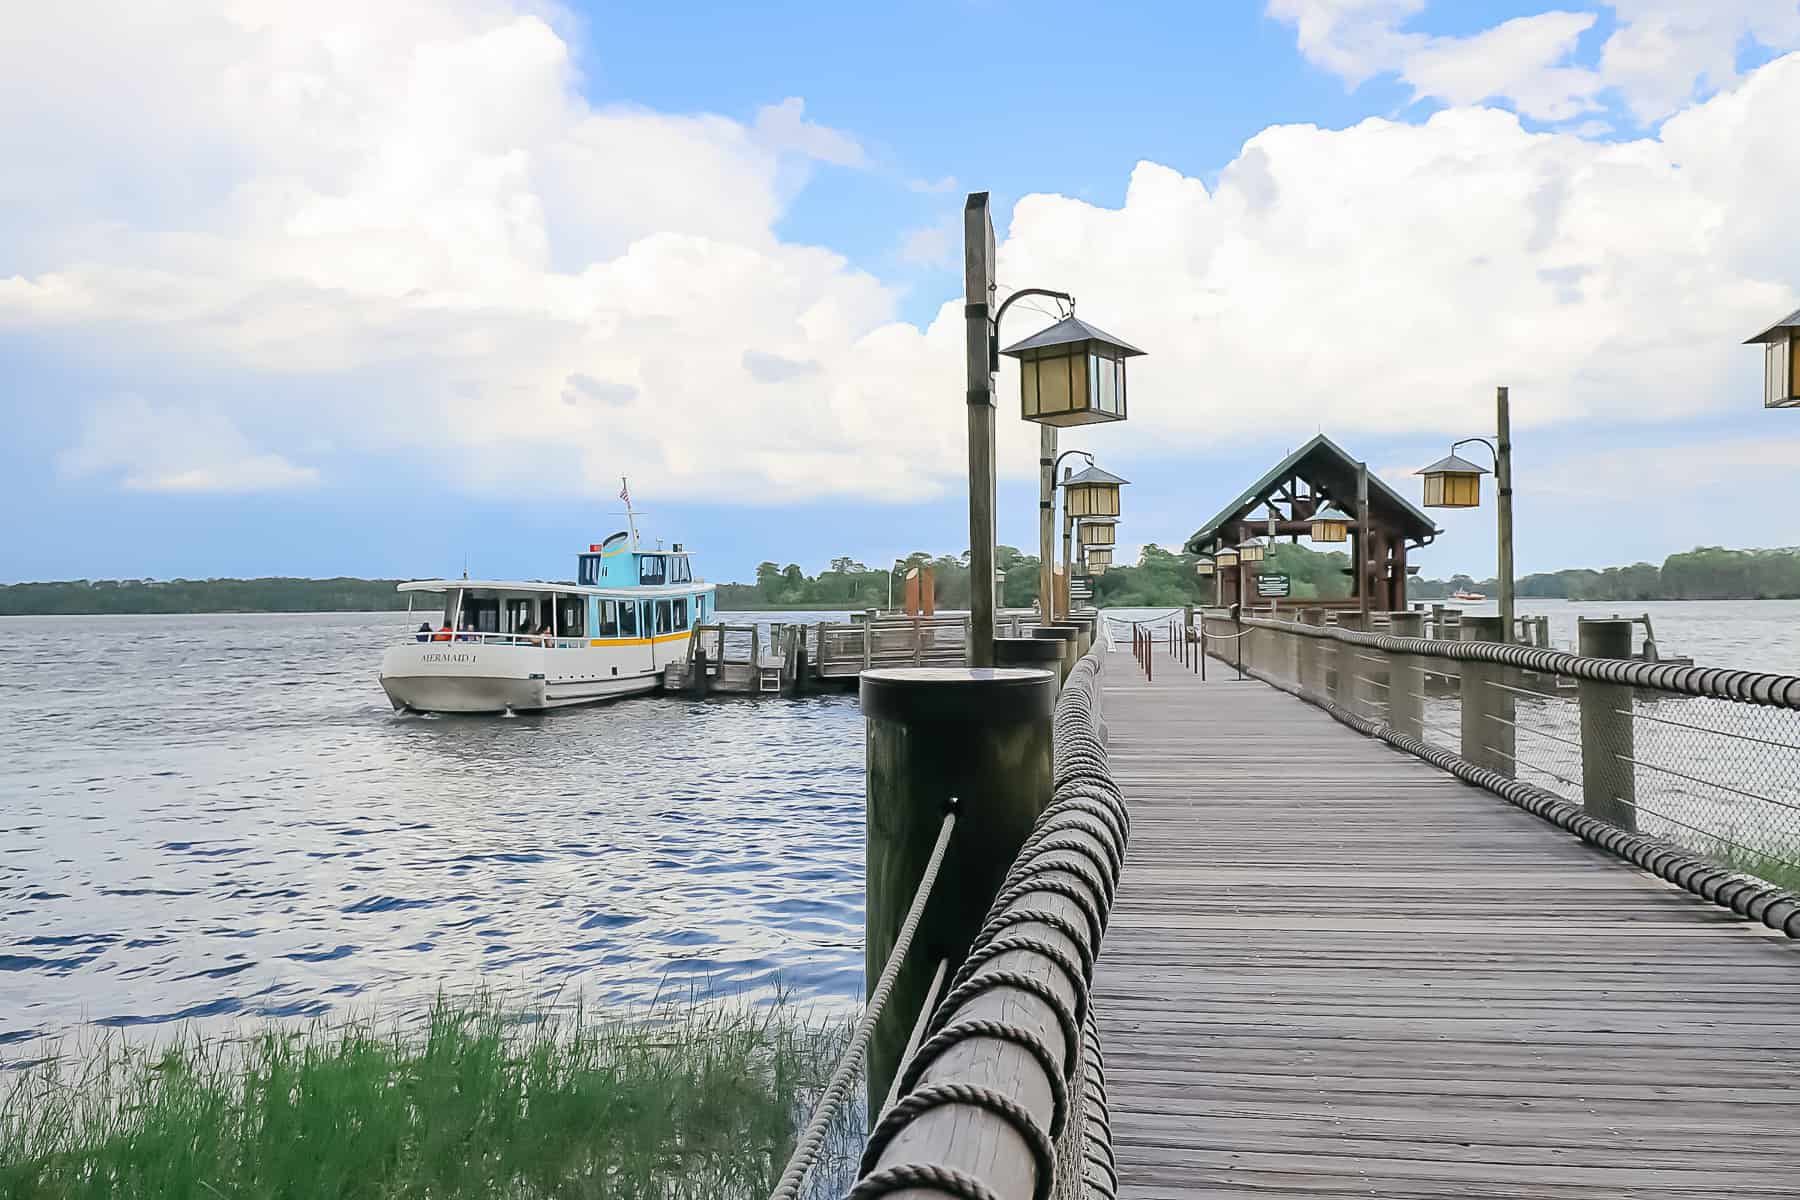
(476, 1100)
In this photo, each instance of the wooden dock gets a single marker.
(1333, 970)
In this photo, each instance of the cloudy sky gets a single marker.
(319, 288)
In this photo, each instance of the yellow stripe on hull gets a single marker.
(649, 641)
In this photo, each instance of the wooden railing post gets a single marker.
(936, 736)
(1344, 688)
(1608, 781)
(1488, 738)
(1311, 652)
(1406, 678)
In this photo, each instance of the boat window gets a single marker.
(681, 614)
(571, 618)
(679, 570)
(609, 619)
(518, 616)
(628, 622)
(663, 614)
(481, 615)
(650, 569)
(590, 570)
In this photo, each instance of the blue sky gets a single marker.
(328, 291)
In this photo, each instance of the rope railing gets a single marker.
(837, 1091)
(1040, 1128)
(1719, 683)
(1720, 809)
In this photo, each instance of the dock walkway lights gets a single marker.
(1454, 482)
(1099, 531)
(1204, 566)
(1251, 550)
(1071, 374)
(1781, 362)
(1330, 525)
(1093, 493)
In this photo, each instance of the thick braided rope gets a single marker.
(1076, 851)
(916, 1103)
(889, 1180)
(976, 1027)
(1019, 943)
(1746, 895)
(1074, 893)
(1069, 1021)
(1718, 683)
(1007, 918)
(837, 1091)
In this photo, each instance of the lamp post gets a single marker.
(1094, 392)
(1092, 496)
(1069, 374)
(1250, 550)
(1047, 522)
(1454, 482)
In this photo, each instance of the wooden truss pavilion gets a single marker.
(1282, 504)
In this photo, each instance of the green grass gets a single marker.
(1777, 867)
(475, 1100)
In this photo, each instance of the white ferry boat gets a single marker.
(503, 645)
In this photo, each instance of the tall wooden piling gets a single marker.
(1608, 777)
(1488, 737)
(980, 737)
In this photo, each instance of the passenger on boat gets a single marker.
(442, 635)
(424, 634)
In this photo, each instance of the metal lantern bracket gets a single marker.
(994, 329)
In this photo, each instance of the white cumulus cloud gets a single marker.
(401, 230)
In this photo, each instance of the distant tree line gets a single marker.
(1159, 578)
(1704, 573)
(91, 596)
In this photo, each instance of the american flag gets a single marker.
(625, 492)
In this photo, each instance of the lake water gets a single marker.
(220, 817)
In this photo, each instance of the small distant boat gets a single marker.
(511, 645)
(1470, 596)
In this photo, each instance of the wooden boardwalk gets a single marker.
(1334, 970)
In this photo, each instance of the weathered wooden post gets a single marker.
(1608, 781)
(979, 738)
(1349, 689)
(1064, 637)
(1488, 737)
(1030, 653)
(1406, 678)
(1310, 655)
(699, 682)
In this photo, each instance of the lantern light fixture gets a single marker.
(1781, 362)
(1072, 374)
(1330, 525)
(1226, 556)
(1204, 566)
(1453, 482)
(1100, 531)
(1099, 556)
(1251, 550)
(1092, 493)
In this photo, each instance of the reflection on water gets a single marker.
(218, 815)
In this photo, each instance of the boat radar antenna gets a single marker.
(630, 516)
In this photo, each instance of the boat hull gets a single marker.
(457, 677)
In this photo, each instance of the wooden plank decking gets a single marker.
(1334, 970)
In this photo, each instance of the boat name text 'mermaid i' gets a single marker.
(542, 645)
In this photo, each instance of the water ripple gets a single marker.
(214, 818)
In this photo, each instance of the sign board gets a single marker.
(1273, 586)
